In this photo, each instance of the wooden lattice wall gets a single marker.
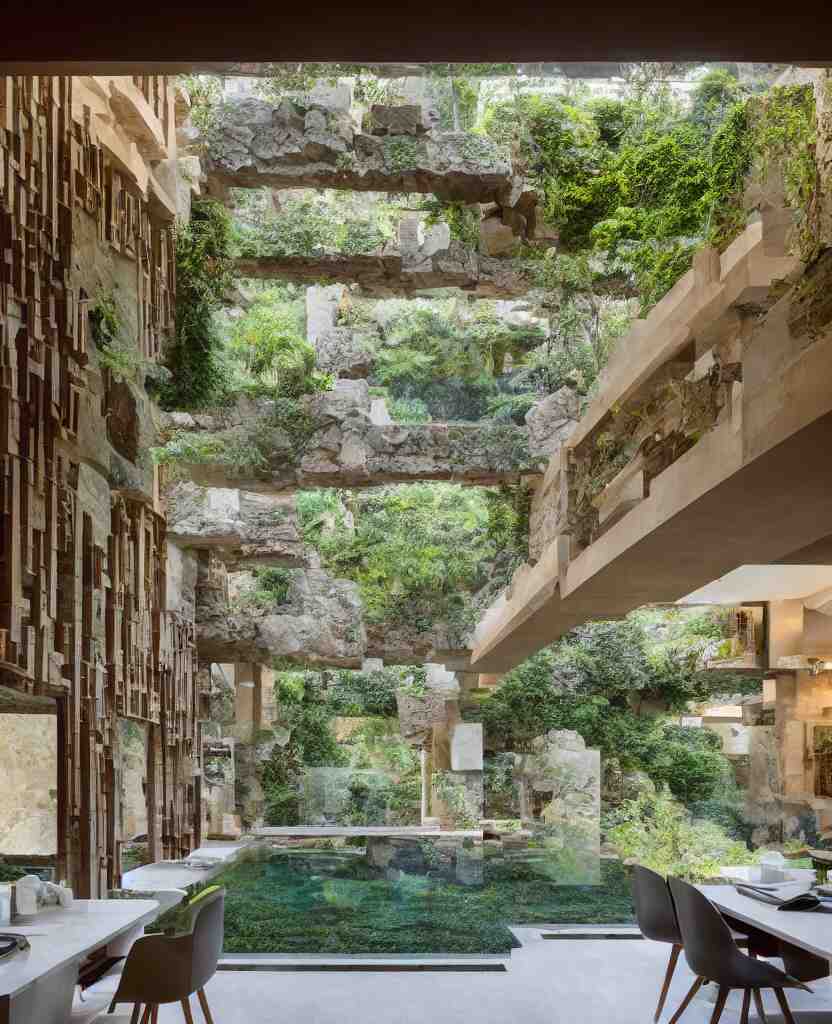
(83, 614)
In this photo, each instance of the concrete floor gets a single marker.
(564, 981)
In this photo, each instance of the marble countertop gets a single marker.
(201, 866)
(60, 936)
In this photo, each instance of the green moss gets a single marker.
(402, 153)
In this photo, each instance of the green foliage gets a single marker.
(714, 96)
(408, 410)
(311, 224)
(271, 587)
(366, 693)
(689, 762)
(598, 679)
(402, 153)
(276, 438)
(203, 275)
(416, 551)
(269, 341)
(656, 831)
(584, 326)
(444, 357)
(641, 184)
(305, 710)
(730, 157)
(509, 507)
(105, 322)
(458, 803)
(11, 873)
(205, 95)
(785, 135)
(500, 788)
(117, 353)
(463, 220)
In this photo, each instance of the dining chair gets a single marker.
(656, 919)
(170, 968)
(713, 956)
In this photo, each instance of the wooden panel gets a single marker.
(82, 589)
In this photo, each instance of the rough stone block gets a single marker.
(466, 747)
(400, 120)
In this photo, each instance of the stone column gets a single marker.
(322, 303)
(424, 764)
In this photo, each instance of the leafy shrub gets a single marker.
(311, 224)
(269, 342)
(656, 831)
(594, 681)
(416, 550)
(366, 693)
(271, 586)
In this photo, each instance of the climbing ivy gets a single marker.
(204, 263)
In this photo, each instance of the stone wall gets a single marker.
(345, 448)
(318, 622)
(289, 145)
(29, 800)
(397, 270)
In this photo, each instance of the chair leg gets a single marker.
(746, 1005)
(721, 999)
(203, 1002)
(784, 1006)
(146, 1014)
(668, 977)
(154, 1017)
(685, 1002)
(758, 1002)
(134, 1016)
(186, 1010)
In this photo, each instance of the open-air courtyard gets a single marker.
(415, 547)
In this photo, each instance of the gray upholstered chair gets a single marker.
(656, 918)
(170, 968)
(713, 956)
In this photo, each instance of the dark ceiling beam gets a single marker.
(125, 37)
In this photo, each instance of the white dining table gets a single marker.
(810, 930)
(37, 985)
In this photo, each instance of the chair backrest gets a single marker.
(168, 968)
(208, 934)
(709, 945)
(655, 913)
